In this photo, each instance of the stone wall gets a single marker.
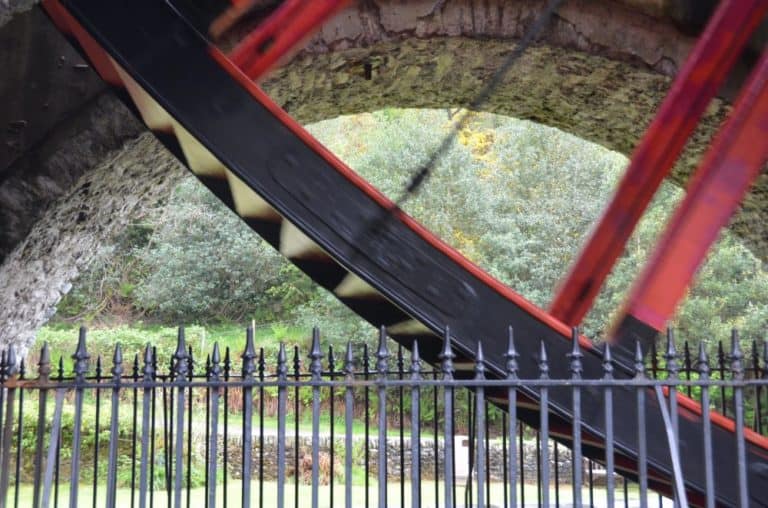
(39, 271)
(495, 457)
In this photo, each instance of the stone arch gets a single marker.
(599, 73)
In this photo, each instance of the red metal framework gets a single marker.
(283, 31)
(696, 84)
(731, 165)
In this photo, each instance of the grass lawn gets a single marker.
(62, 339)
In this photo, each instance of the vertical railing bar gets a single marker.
(737, 373)
(296, 410)
(446, 359)
(19, 434)
(43, 376)
(642, 438)
(58, 444)
(167, 448)
(544, 426)
(401, 415)
(181, 367)
(416, 428)
(207, 456)
(7, 439)
(382, 356)
(480, 425)
(282, 377)
(709, 476)
(225, 445)
(576, 368)
(349, 400)
(512, 367)
(486, 409)
(262, 367)
(249, 369)
(152, 441)
(190, 375)
(332, 403)
(316, 369)
(677, 472)
(214, 376)
(367, 395)
(538, 467)
(504, 459)
(521, 468)
(117, 373)
(81, 366)
(435, 440)
(134, 426)
(757, 423)
(96, 434)
(608, 407)
(53, 447)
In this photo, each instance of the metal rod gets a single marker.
(416, 429)
(117, 372)
(53, 447)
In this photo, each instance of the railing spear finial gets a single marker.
(639, 361)
(575, 355)
(543, 361)
(446, 355)
(607, 362)
(149, 363)
(282, 363)
(117, 363)
(479, 361)
(736, 356)
(511, 355)
(249, 355)
(215, 370)
(44, 365)
(382, 353)
(415, 362)
(702, 362)
(316, 356)
(180, 357)
(80, 356)
(673, 368)
(349, 362)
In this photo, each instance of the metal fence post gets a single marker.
(608, 407)
(737, 371)
(480, 423)
(382, 368)
(114, 432)
(416, 427)
(214, 376)
(576, 370)
(249, 369)
(702, 366)
(282, 378)
(43, 377)
(349, 401)
(180, 369)
(81, 357)
(642, 444)
(511, 356)
(316, 369)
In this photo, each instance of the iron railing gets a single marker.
(310, 431)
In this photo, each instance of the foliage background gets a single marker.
(515, 197)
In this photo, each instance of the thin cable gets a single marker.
(418, 178)
(485, 93)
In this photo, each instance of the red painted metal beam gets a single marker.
(285, 29)
(731, 165)
(696, 84)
